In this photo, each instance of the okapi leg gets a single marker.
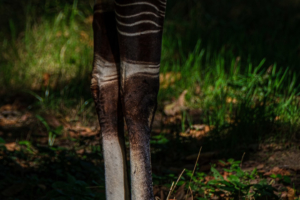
(140, 93)
(105, 89)
(139, 25)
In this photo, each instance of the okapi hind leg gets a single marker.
(139, 26)
(105, 90)
(140, 94)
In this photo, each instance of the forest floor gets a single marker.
(33, 169)
(229, 86)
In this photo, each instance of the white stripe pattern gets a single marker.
(139, 22)
(138, 3)
(129, 69)
(159, 14)
(138, 14)
(162, 2)
(138, 33)
(104, 71)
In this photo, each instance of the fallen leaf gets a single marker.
(208, 178)
(197, 89)
(82, 131)
(261, 166)
(231, 100)
(46, 78)
(177, 106)
(168, 79)
(80, 151)
(277, 170)
(162, 196)
(11, 146)
(199, 130)
(271, 158)
(89, 19)
(225, 175)
(284, 195)
(7, 107)
(180, 192)
(25, 117)
(84, 35)
(291, 193)
(222, 164)
(156, 190)
(277, 118)
(8, 122)
(58, 34)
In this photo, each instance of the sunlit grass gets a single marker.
(244, 99)
(57, 53)
(60, 49)
(54, 53)
(253, 102)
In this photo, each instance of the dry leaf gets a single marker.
(291, 193)
(162, 196)
(180, 192)
(168, 79)
(277, 170)
(80, 151)
(84, 35)
(199, 130)
(177, 106)
(284, 195)
(208, 178)
(11, 146)
(25, 117)
(156, 190)
(271, 158)
(8, 122)
(89, 19)
(8, 107)
(82, 131)
(46, 78)
(231, 100)
(261, 166)
(225, 175)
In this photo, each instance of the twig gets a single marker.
(172, 188)
(242, 160)
(195, 167)
(191, 192)
(170, 191)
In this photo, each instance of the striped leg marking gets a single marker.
(125, 82)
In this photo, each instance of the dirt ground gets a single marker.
(172, 153)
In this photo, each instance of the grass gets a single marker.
(238, 101)
(50, 47)
(242, 77)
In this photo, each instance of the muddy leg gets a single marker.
(105, 90)
(140, 104)
(139, 25)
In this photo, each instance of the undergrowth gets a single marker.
(246, 92)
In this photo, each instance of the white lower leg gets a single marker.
(115, 169)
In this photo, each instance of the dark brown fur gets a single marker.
(140, 100)
(137, 99)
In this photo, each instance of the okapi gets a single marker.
(125, 83)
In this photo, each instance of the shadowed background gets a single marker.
(229, 82)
